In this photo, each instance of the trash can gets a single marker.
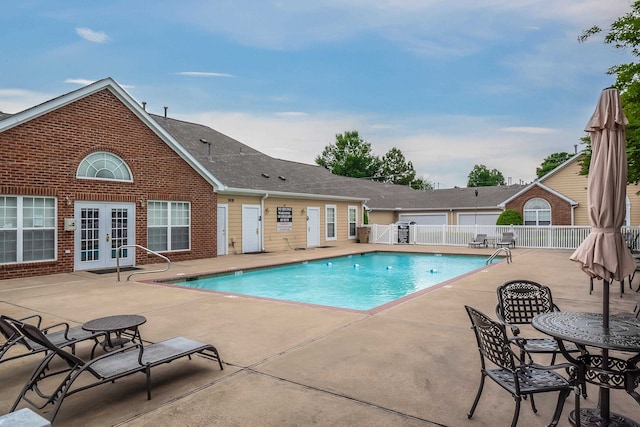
(363, 234)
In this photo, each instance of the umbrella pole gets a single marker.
(605, 303)
(605, 409)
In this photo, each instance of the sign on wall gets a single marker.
(284, 218)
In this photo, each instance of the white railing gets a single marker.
(551, 237)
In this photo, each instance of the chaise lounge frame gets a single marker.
(105, 368)
(61, 334)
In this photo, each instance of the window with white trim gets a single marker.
(330, 220)
(353, 221)
(27, 229)
(537, 212)
(105, 166)
(168, 226)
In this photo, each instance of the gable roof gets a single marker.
(12, 120)
(539, 183)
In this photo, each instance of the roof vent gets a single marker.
(282, 178)
(266, 175)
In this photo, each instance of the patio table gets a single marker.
(118, 325)
(586, 330)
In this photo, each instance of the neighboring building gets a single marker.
(268, 204)
(453, 206)
(89, 171)
(560, 198)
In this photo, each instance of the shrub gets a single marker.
(509, 217)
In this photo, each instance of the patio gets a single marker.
(412, 364)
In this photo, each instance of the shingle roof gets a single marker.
(239, 166)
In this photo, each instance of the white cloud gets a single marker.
(528, 129)
(92, 36)
(15, 100)
(85, 82)
(203, 74)
(81, 82)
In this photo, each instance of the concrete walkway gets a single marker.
(286, 364)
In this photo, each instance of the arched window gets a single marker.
(537, 212)
(103, 165)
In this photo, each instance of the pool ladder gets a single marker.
(507, 252)
(149, 251)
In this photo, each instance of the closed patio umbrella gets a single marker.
(604, 253)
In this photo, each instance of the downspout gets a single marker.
(266, 195)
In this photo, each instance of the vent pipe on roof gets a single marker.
(165, 112)
(144, 105)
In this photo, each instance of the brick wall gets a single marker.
(560, 209)
(40, 157)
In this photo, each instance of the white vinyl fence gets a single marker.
(551, 237)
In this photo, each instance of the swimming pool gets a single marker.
(358, 282)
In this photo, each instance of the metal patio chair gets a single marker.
(61, 334)
(50, 383)
(519, 301)
(519, 378)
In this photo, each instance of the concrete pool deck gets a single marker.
(411, 364)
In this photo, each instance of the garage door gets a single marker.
(425, 219)
(483, 218)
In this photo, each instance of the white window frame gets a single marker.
(536, 211)
(44, 218)
(327, 217)
(104, 162)
(168, 223)
(352, 220)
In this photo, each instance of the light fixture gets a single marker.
(266, 211)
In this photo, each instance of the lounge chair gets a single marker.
(478, 241)
(58, 384)
(507, 240)
(61, 334)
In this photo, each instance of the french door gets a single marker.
(101, 228)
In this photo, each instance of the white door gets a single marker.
(313, 227)
(250, 228)
(222, 230)
(101, 228)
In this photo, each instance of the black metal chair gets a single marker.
(519, 301)
(514, 375)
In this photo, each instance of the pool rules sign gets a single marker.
(284, 218)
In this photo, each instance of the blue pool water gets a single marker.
(359, 282)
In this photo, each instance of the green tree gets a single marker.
(480, 176)
(509, 217)
(350, 156)
(551, 162)
(623, 35)
(396, 169)
(421, 184)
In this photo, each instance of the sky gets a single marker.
(451, 83)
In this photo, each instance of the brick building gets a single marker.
(88, 172)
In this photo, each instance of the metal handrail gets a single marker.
(149, 251)
(497, 251)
